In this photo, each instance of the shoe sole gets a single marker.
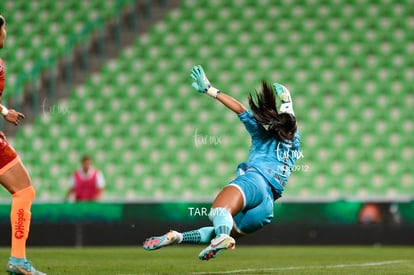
(151, 243)
(153, 246)
(20, 273)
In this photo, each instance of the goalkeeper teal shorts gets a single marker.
(258, 202)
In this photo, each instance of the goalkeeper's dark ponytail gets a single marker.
(280, 126)
(2, 21)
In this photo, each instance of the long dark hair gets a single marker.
(278, 125)
(2, 21)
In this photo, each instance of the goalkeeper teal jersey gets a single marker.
(273, 159)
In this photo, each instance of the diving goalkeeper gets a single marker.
(246, 204)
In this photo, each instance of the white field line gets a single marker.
(302, 267)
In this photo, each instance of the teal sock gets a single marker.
(202, 235)
(207, 234)
(222, 220)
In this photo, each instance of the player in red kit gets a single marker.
(87, 183)
(15, 179)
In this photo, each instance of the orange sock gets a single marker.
(20, 216)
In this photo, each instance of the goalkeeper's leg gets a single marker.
(201, 235)
(227, 203)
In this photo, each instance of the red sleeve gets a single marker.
(2, 78)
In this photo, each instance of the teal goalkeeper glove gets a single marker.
(284, 95)
(201, 83)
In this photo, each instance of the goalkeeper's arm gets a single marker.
(231, 103)
(284, 95)
(202, 85)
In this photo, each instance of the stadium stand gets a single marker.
(44, 31)
(156, 139)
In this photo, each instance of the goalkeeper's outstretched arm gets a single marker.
(231, 103)
(202, 85)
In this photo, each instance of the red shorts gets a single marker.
(8, 156)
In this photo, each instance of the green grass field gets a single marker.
(242, 260)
